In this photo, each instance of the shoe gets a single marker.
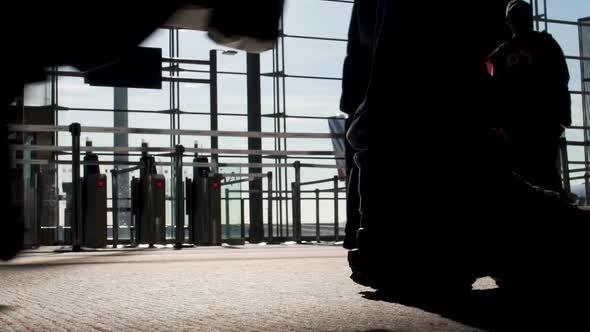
(377, 268)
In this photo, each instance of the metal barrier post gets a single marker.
(179, 193)
(270, 210)
(294, 203)
(296, 188)
(317, 216)
(227, 223)
(336, 210)
(243, 219)
(115, 214)
(75, 130)
(149, 209)
(287, 213)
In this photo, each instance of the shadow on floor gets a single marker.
(6, 308)
(494, 310)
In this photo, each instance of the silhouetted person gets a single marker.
(434, 101)
(356, 75)
(533, 76)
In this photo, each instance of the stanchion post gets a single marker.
(179, 193)
(294, 210)
(115, 214)
(149, 209)
(76, 130)
(243, 219)
(270, 210)
(336, 210)
(296, 188)
(227, 223)
(317, 216)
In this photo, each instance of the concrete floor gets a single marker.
(254, 288)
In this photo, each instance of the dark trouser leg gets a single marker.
(11, 225)
(353, 220)
(551, 175)
(366, 236)
(535, 158)
(362, 162)
(416, 244)
(353, 217)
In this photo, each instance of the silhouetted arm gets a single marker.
(357, 67)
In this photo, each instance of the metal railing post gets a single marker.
(243, 219)
(115, 214)
(75, 130)
(336, 210)
(227, 223)
(296, 188)
(270, 210)
(317, 216)
(179, 193)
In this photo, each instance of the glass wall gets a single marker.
(301, 81)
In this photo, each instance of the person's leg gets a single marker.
(550, 175)
(352, 195)
(11, 225)
(362, 161)
(367, 235)
(534, 157)
(395, 240)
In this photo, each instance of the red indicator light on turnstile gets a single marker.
(101, 184)
(216, 185)
(159, 184)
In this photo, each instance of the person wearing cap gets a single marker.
(532, 75)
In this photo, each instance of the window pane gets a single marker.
(74, 93)
(313, 98)
(309, 17)
(314, 58)
(150, 99)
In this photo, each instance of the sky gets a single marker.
(304, 97)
